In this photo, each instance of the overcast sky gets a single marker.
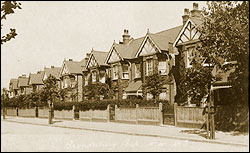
(49, 31)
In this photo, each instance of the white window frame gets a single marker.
(86, 80)
(125, 74)
(162, 68)
(94, 78)
(148, 62)
(138, 72)
(188, 65)
(115, 72)
(102, 78)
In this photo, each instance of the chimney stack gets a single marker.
(195, 12)
(185, 17)
(125, 37)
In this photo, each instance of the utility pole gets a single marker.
(210, 117)
(50, 111)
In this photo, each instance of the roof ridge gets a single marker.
(168, 29)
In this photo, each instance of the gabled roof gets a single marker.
(162, 42)
(100, 57)
(14, 83)
(194, 20)
(22, 81)
(74, 67)
(54, 71)
(36, 78)
(170, 33)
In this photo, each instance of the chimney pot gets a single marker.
(186, 11)
(125, 37)
(195, 6)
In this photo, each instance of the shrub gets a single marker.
(102, 104)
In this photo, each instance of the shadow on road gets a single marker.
(201, 133)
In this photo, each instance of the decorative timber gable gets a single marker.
(113, 56)
(188, 33)
(92, 62)
(64, 70)
(148, 47)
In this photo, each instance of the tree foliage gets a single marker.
(154, 84)
(50, 89)
(224, 38)
(95, 90)
(8, 7)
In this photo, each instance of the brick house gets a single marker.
(186, 42)
(96, 68)
(71, 76)
(22, 85)
(13, 89)
(119, 59)
(53, 71)
(36, 81)
(133, 59)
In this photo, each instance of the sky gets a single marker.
(51, 31)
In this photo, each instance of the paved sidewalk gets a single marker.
(171, 132)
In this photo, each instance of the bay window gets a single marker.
(115, 72)
(149, 66)
(102, 76)
(94, 76)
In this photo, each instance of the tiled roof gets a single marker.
(171, 33)
(75, 67)
(36, 78)
(14, 83)
(134, 86)
(161, 41)
(197, 21)
(100, 57)
(22, 81)
(54, 71)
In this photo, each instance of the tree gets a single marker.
(50, 89)
(224, 38)
(154, 84)
(94, 91)
(8, 7)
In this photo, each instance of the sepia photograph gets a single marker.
(124, 76)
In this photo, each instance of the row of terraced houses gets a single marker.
(125, 66)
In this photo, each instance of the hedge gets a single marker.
(102, 104)
(24, 101)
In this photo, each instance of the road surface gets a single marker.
(25, 137)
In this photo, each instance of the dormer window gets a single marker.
(125, 73)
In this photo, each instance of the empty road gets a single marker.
(25, 137)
